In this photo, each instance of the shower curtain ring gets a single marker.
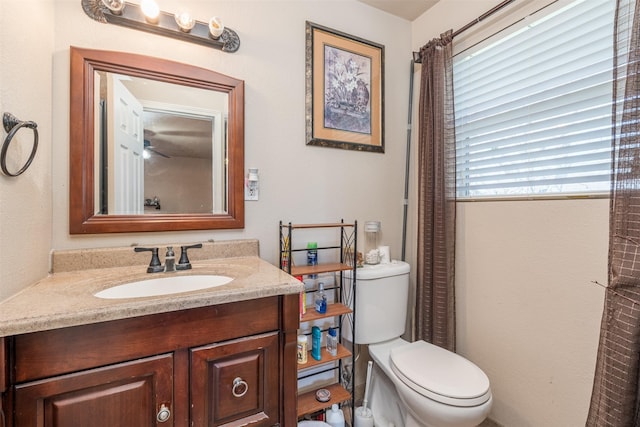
(12, 125)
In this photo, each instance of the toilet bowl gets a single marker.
(437, 388)
(313, 424)
(415, 384)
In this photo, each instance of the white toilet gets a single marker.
(414, 384)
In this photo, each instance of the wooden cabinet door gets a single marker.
(123, 395)
(236, 383)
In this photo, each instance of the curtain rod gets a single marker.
(416, 55)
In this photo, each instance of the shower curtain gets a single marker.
(616, 394)
(435, 296)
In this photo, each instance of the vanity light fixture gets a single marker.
(150, 10)
(115, 6)
(216, 27)
(146, 16)
(184, 20)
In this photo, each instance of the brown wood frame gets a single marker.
(82, 219)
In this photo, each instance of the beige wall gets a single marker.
(527, 311)
(299, 183)
(25, 91)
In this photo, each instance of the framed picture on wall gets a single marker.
(344, 90)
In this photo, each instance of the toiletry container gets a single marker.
(316, 342)
(312, 256)
(302, 349)
(320, 301)
(371, 252)
(312, 253)
(335, 416)
(332, 342)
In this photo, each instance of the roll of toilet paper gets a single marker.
(364, 417)
(384, 254)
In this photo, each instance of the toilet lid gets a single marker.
(440, 375)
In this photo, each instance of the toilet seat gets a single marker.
(440, 375)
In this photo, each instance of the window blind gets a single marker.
(533, 108)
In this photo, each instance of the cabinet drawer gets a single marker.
(236, 382)
(49, 353)
(127, 394)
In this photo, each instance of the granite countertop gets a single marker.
(67, 298)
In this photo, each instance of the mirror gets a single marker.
(161, 147)
(155, 145)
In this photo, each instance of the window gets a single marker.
(533, 108)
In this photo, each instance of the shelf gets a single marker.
(335, 309)
(305, 270)
(325, 357)
(327, 225)
(341, 249)
(308, 404)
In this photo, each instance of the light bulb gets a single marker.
(216, 27)
(115, 6)
(184, 20)
(150, 10)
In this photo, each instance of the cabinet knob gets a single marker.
(240, 387)
(163, 414)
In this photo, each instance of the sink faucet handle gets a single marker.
(183, 263)
(155, 266)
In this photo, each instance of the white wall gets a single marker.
(299, 183)
(527, 311)
(25, 91)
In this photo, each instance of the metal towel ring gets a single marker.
(12, 125)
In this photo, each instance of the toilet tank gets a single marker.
(382, 293)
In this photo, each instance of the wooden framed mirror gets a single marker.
(117, 153)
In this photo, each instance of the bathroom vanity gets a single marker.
(220, 357)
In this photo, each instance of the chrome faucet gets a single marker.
(183, 263)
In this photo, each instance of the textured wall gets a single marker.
(26, 46)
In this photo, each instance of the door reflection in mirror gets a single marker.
(159, 141)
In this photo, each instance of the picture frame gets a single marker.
(344, 90)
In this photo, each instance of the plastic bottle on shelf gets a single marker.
(312, 253)
(335, 416)
(312, 256)
(320, 300)
(332, 342)
(316, 340)
(302, 349)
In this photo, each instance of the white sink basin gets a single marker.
(163, 286)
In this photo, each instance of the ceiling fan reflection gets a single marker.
(149, 149)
